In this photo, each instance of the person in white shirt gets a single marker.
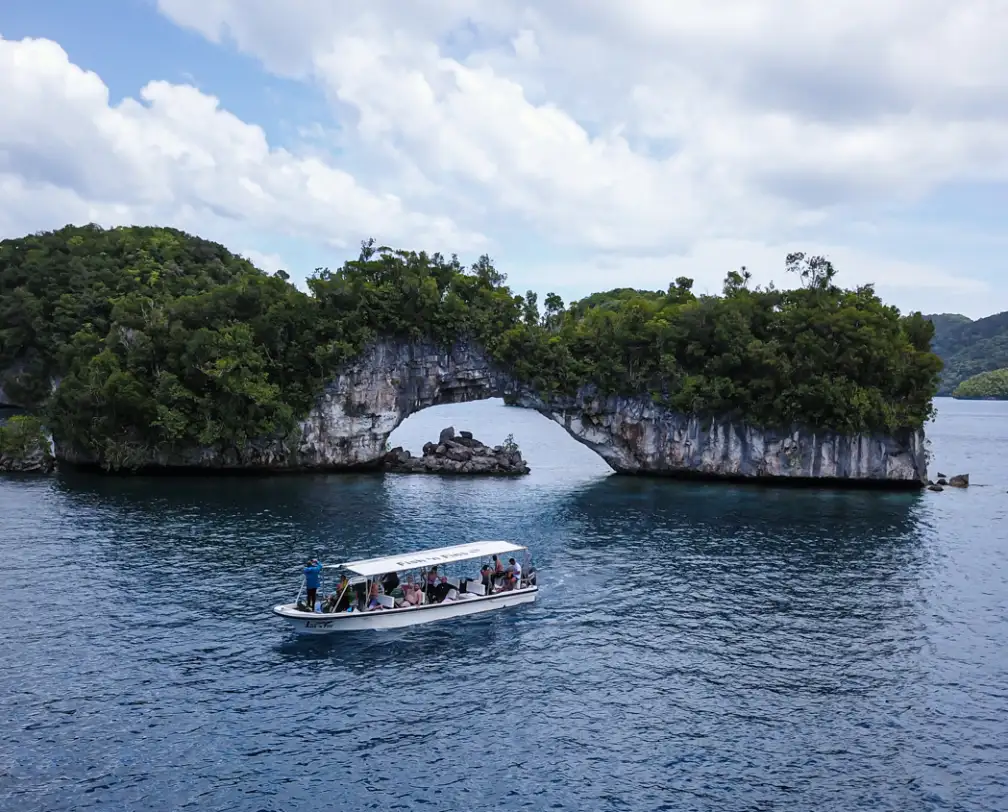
(514, 569)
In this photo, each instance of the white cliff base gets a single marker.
(636, 436)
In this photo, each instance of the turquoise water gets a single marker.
(695, 646)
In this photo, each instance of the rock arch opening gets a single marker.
(363, 407)
(544, 445)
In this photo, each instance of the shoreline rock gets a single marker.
(35, 463)
(25, 447)
(637, 436)
(957, 481)
(458, 454)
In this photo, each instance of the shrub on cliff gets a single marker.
(24, 445)
(985, 386)
(157, 338)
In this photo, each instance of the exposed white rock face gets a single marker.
(363, 406)
(634, 435)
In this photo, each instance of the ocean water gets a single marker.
(694, 647)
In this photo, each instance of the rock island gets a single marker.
(151, 349)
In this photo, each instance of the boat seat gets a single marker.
(475, 588)
(387, 601)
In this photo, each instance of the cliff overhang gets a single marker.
(634, 435)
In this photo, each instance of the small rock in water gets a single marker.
(936, 488)
(941, 475)
(458, 455)
(941, 481)
(959, 481)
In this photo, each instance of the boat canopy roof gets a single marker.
(426, 558)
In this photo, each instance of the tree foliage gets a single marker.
(157, 338)
(991, 385)
(818, 355)
(22, 436)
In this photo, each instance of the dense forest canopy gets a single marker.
(157, 337)
(969, 347)
(991, 385)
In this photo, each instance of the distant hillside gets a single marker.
(985, 386)
(969, 347)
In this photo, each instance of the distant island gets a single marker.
(968, 348)
(991, 385)
(146, 347)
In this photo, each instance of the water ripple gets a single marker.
(695, 648)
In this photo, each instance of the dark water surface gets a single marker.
(695, 646)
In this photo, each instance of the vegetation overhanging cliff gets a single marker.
(130, 339)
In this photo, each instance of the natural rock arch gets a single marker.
(359, 409)
(363, 406)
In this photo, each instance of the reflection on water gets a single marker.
(694, 646)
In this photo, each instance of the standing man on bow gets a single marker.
(313, 576)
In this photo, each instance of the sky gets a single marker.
(582, 144)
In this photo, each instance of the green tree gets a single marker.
(132, 340)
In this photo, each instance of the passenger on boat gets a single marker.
(486, 576)
(389, 581)
(499, 575)
(339, 601)
(439, 591)
(514, 574)
(412, 595)
(373, 602)
(431, 581)
(313, 576)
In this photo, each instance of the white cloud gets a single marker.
(171, 156)
(650, 137)
(265, 261)
(917, 286)
(757, 99)
(649, 127)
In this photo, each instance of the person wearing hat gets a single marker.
(313, 578)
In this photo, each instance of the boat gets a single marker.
(359, 602)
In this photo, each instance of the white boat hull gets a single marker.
(319, 623)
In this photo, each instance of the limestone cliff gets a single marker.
(636, 436)
(361, 407)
